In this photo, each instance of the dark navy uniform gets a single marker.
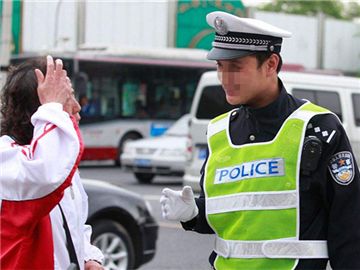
(329, 207)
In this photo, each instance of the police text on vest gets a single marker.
(253, 169)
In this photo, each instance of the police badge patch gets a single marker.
(341, 167)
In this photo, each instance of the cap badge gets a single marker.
(220, 26)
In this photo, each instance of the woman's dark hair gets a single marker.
(263, 56)
(19, 100)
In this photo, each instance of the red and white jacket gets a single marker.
(34, 179)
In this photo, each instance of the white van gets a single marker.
(339, 94)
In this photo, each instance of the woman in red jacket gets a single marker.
(43, 206)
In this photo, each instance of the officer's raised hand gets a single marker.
(178, 205)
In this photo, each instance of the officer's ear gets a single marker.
(271, 64)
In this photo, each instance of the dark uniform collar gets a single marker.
(275, 109)
(262, 124)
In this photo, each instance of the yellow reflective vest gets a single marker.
(252, 196)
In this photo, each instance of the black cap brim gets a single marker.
(227, 54)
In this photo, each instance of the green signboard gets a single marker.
(192, 30)
(16, 26)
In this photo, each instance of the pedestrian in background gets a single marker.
(43, 206)
(280, 185)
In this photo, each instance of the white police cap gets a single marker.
(237, 37)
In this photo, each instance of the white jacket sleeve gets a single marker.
(91, 251)
(35, 170)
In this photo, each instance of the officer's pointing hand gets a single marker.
(178, 205)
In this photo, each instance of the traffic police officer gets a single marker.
(280, 186)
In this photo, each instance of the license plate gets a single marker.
(202, 153)
(143, 162)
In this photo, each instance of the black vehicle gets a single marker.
(123, 227)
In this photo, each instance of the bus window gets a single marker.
(156, 92)
(356, 106)
(212, 103)
(109, 101)
(130, 92)
(100, 100)
(168, 102)
(81, 84)
(326, 99)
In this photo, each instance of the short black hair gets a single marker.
(263, 56)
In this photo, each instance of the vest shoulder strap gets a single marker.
(307, 111)
(219, 123)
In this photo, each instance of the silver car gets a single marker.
(163, 155)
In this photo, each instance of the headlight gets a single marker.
(173, 152)
(129, 150)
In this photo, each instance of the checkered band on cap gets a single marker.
(247, 41)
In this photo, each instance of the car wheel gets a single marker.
(115, 243)
(127, 138)
(144, 178)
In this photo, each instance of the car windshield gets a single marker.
(180, 127)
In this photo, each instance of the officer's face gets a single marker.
(243, 81)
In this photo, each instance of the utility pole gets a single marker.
(6, 40)
(56, 26)
(81, 19)
(320, 42)
(172, 24)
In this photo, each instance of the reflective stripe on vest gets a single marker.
(284, 248)
(252, 201)
(252, 196)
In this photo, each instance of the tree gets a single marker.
(352, 10)
(331, 8)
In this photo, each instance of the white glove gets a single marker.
(178, 205)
